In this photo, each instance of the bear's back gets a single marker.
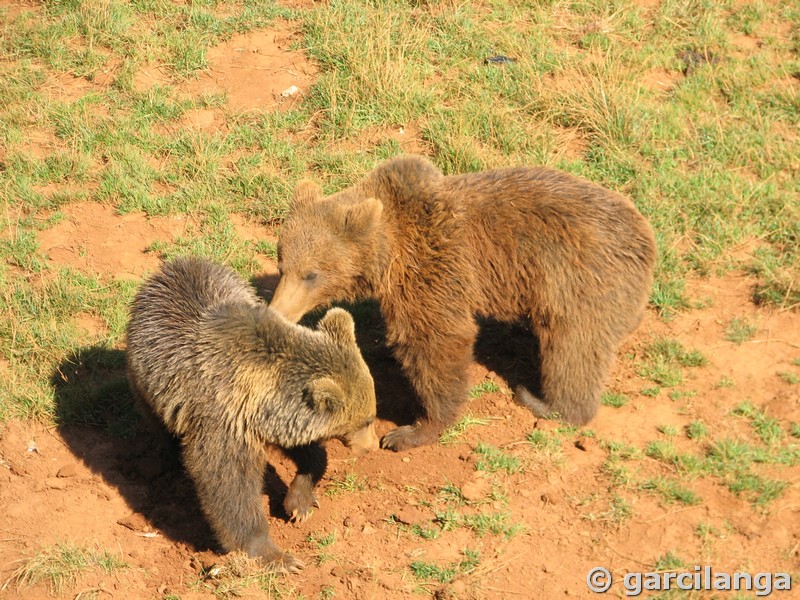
(550, 236)
(165, 362)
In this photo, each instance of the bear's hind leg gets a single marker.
(311, 461)
(572, 370)
(229, 475)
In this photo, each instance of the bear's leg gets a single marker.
(573, 367)
(228, 475)
(311, 461)
(436, 364)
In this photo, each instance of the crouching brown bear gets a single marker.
(573, 259)
(228, 375)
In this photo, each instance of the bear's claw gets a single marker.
(300, 503)
(285, 563)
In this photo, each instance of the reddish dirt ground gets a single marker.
(86, 487)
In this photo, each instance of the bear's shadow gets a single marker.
(510, 350)
(101, 426)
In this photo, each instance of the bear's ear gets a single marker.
(305, 193)
(360, 220)
(325, 395)
(338, 323)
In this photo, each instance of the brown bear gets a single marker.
(570, 257)
(227, 375)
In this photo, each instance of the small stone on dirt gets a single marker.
(354, 521)
(368, 529)
(586, 444)
(17, 470)
(549, 498)
(67, 470)
(54, 483)
(406, 459)
(411, 515)
(134, 522)
(476, 490)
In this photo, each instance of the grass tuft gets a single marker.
(59, 567)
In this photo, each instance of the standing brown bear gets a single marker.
(228, 375)
(573, 258)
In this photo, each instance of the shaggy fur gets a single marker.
(227, 375)
(573, 259)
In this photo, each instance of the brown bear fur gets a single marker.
(228, 375)
(573, 259)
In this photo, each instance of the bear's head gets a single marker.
(347, 393)
(325, 247)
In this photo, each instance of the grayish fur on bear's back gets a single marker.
(202, 348)
(166, 317)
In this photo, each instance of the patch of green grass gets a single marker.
(733, 461)
(613, 399)
(689, 465)
(60, 565)
(487, 386)
(322, 544)
(425, 533)
(696, 430)
(740, 329)
(493, 459)
(495, 523)
(620, 475)
(544, 441)
(431, 572)
(452, 434)
(664, 359)
(619, 511)
(217, 240)
(789, 377)
(675, 395)
(668, 430)
(452, 494)
(267, 248)
(327, 592)
(351, 483)
(618, 450)
(42, 332)
(767, 428)
(669, 562)
(757, 489)
(776, 268)
(671, 491)
(615, 466)
(238, 573)
(725, 382)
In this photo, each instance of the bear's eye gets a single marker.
(310, 277)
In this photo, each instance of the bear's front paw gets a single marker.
(409, 436)
(300, 499)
